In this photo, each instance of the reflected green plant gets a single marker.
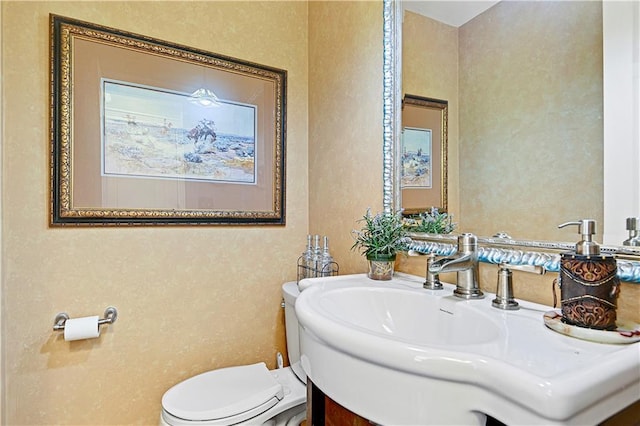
(431, 222)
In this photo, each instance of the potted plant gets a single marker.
(381, 237)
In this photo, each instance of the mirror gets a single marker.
(540, 186)
(527, 216)
(527, 109)
(423, 155)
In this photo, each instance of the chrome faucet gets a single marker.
(465, 263)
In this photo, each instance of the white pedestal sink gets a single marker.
(398, 354)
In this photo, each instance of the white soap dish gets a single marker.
(626, 332)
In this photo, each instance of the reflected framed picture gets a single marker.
(423, 156)
(148, 132)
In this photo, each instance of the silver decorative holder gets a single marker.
(305, 271)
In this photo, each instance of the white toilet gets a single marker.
(247, 394)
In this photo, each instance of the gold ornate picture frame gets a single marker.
(147, 132)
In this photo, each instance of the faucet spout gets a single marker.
(453, 263)
(465, 264)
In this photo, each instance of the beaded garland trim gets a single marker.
(628, 271)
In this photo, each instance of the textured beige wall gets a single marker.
(430, 69)
(189, 298)
(531, 127)
(345, 121)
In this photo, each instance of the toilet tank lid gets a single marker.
(222, 393)
(290, 292)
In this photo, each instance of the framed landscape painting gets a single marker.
(416, 158)
(146, 132)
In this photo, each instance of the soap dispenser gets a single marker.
(589, 284)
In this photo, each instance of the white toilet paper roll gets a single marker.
(81, 328)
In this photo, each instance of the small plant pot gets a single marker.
(381, 267)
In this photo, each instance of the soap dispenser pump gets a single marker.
(633, 226)
(587, 228)
(589, 283)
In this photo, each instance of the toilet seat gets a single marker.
(240, 393)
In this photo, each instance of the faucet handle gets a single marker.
(534, 269)
(504, 292)
(432, 281)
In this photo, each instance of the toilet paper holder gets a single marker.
(110, 316)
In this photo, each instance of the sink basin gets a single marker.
(396, 353)
(407, 316)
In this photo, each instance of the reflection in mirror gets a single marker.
(423, 156)
(561, 154)
(528, 112)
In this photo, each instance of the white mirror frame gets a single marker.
(491, 250)
(621, 50)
